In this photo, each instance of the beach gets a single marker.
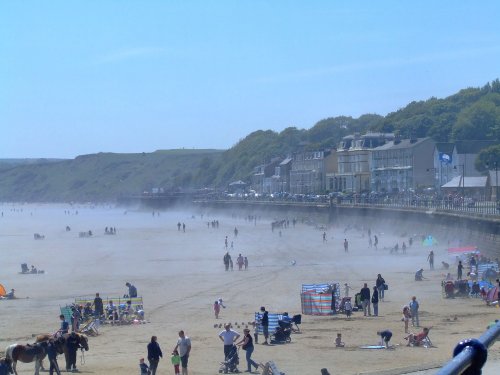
(180, 275)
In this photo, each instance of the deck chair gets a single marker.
(270, 368)
(90, 328)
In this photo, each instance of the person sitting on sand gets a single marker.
(10, 295)
(417, 340)
(338, 341)
(446, 266)
(419, 275)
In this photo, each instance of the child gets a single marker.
(348, 308)
(216, 309)
(176, 360)
(144, 367)
(406, 317)
(338, 341)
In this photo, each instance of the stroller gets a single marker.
(231, 362)
(282, 333)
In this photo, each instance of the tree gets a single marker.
(477, 122)
(487, 157)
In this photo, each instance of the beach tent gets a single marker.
(273, 322)
(316, 299)
(3, 292)
(462, 252)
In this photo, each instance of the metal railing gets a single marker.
(470, 355)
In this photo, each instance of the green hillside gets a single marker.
(104, 176)
(472, 113)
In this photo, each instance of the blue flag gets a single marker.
(445, 158)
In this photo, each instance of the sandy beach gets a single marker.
(179, 275)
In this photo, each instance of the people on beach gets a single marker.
(338, 341)
(216, 309)
(245, 261)
(98, 306)
(176, 361)
(365, 300)
(385, 336)
(154, 354)
(64, 326)
(184, 348)
(430, 258)
(226, 259)
(348, 308)
(52, 356)
(347, 288)
(380, 284)
(72, 346)
(346, 245)
(144, 368)
(460, 268)
(240, 262)
(414, 306)
(132, 290)
(264, 323)
(247, 345)
(418, 339)
(419, 275)
(228, 336)
(375, 300)
(406, 317)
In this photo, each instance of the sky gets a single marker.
(81, 77)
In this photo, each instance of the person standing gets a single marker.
(414, 306)
(216, 309)
(228, 337)
(430, 258)
(460, 268)
(380, 283)
(98, 306)
(247, 345)
(154, 354)
(184, 348)
(72, 345)
(365, 300)
(347, 288)
(226, 259)
(375, 241)
(375, 301)
(346, 245)
(64, 326)
(264, 322)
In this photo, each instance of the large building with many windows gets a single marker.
(308, 171)
(402, 165)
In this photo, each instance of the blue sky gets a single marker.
(79, 77)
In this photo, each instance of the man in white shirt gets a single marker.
(184, 348)
(228, 337)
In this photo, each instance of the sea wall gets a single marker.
(483, 232)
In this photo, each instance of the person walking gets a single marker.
(154, 354)
(380, 283)
(375, 301)
(414, 306)
(52, 355)
(228, 337)
(247, 345)
(365, 300)
(184, 348)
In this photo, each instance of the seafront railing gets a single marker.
(470, 355)
(481, 208)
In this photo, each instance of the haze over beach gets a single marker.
(180, 274)
(160, 118)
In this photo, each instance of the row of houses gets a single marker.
(376, 162)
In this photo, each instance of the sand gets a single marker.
(180, 274)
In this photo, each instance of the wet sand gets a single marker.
(180, 274)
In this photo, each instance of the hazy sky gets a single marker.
(79, 77)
